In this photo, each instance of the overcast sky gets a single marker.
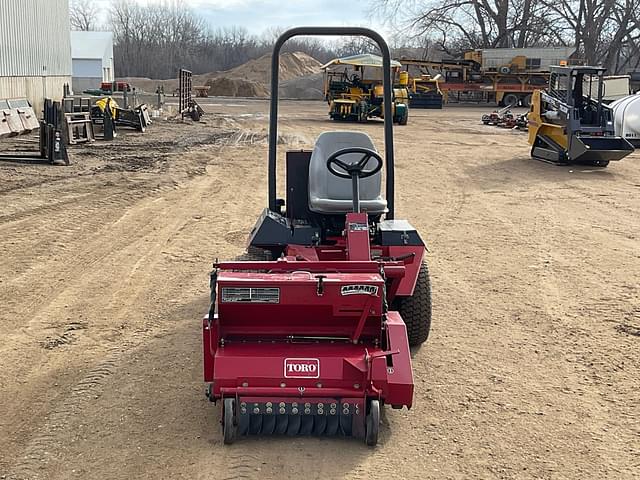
(259, 15)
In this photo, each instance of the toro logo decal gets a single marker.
(301, 368)
(359, 290)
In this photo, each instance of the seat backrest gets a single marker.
(333, 195)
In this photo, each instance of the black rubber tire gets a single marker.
(373, 424)
(404, 119)
(511, 99)
(229, 424)
(416, 310)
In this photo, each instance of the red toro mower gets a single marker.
(311, 335)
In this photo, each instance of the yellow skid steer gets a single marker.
(568, 123)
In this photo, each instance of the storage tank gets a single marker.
(626, 118)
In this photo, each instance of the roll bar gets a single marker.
(388, 115)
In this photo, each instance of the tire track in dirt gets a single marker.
(59, 429)
(107, 247)
(143, 236)
(68, 217)
(240, 466)
(557, 329)
(49, 450)
(37, 452)
(33, 287)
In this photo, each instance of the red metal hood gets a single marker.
(299, 303)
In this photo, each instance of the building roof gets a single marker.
(91, 45)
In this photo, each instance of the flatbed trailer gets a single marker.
(463, 80)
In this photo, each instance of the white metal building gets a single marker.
(92, 57)
(35, 49)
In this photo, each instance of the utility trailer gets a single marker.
(462, 80)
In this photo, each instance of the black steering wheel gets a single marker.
(353, 170)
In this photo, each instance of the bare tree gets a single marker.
(84, 14)
(604, 32)
(157, 39)
(476, 23)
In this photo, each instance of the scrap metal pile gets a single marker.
(137, 118)
(505, 118)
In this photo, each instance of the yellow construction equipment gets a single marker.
(355, 93)
(424, 92)
(569, 123)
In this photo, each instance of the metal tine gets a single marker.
(320, 425)
(294, 425)
(306, 424)
(345, 425)
(255, 424)
(268, 424)
(282, 423)
(243, 424)
(333, 422)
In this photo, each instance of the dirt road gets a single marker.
(531, 371)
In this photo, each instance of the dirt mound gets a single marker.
(303, 88)
(299, 73)
(292, 65)
(236, 87)
(251, 79)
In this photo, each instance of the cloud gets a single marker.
(260, 15)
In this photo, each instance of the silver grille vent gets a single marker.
(250, 295)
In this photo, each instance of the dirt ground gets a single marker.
(531, 371)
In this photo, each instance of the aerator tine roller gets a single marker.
(309, 334)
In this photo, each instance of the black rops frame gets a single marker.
(388, 116)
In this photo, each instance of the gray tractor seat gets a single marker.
(331, 195)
